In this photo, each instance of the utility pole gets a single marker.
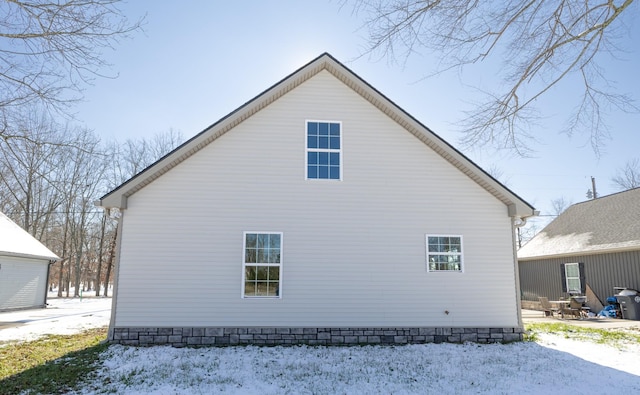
(591, 193)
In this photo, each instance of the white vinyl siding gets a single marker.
(23, 282)
(355, 249)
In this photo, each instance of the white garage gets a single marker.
(24, 268)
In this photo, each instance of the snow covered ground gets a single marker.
(63, 316)
(552, 365)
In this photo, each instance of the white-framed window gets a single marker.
(572, 278)
(262, 265)
(323, 150)
(444, 253)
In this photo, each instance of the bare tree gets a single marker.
(134, 155)
(527, 232)
(49, 50)
(541, 43)
(559, 205)
(28, 174)
(628, 177)
(49, 178)
(497, 173)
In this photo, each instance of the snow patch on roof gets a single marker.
(15, 241)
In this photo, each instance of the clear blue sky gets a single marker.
(199, 60)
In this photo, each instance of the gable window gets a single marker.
(573, 278)
(324, 142)
(444, 253)
(262, 264)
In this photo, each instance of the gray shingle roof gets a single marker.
(607, 224)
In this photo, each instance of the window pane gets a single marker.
(272, 289)
(251, 240)
(323, 158)
(334, 129)
(334, 159)
(312, 158)
(261, 289)
(250, 255)
(263, 240)
(249, 288)
(263, 272)
(250, 273)
(572, 270)
(574, 285)
(334, 173)
(274, 241)
(334, 143)
(312, 172)
(312, 142)
(323, 171)
(262, 256)
(312, 129)
(274, 255)
(274, 273)
(323, 142)
(323, 129)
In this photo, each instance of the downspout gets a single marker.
(518, 222)
(116, 277)
(46, 285)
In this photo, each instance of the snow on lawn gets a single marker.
(551, 365)
(63, 316)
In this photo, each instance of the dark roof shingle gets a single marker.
(610, 223)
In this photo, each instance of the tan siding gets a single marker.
(353, 250)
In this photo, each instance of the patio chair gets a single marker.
(547, 308)
(574, 308)
(578, 303)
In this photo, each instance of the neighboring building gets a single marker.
(319, 212)
(591, 248)
(24, 268)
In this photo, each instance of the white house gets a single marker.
(319, 212)
(24, 268)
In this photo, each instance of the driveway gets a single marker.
(62, 316)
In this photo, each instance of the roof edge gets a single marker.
(592, 251)
(117, 198)
(52, 257)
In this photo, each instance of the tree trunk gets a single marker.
(99, 270)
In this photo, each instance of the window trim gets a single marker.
(340, 151)
(244, 265)
(460, 254)
(567, 278)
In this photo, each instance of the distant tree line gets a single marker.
(50, 176)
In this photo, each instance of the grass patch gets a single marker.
(601, 336)
(50, 365)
